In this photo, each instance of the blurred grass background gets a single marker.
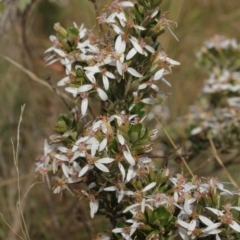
(24, 31)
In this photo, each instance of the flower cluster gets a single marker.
(217, 110)
(129, 59)
(105, 158)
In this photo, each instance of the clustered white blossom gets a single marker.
(223, 87)
(105, 160)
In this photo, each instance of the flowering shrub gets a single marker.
(215, 113)
(101, 152)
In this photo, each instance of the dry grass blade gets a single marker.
(32, 76)
(15, 158)
(13, 180)
(4, 220)
(214, 151)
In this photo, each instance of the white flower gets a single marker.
(233, 224)
(139, 46)
(93, 203)
(97, 163)
(128, 156)
(157, 76)
(105, 74)
(127, 231)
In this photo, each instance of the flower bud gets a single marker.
(57, 27)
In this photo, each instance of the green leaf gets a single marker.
(161, 214)
(134, 132)
(73, 30)
(138, 14)
(148, 215)
(137, 109)
(143, 136)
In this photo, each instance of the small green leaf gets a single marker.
(161, 214)
(138, 14)
(73, 31)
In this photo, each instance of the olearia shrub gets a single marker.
(215, 113)
(99, 151)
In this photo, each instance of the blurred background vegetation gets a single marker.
(25, 26)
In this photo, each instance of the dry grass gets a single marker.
(24, 40)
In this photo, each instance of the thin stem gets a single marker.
(214, 151)
(175, 147)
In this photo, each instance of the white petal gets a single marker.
(166, 82)
(72, 90)
(83, 171)
(150, 100)
(119, 68)
(120, 195)
(142, 86)
(65, 170)
(205, 220)
(169, 60)
(59, 52)
(84, 106)
(92, 209)
(183, 233)
(53, 61)
(129, 158)
(211, 228)
(63, 81)
(158, 75)
(155, 87)
(102, 94)
(183, 224)
(126, 4)
(122, 170)
(235, 226)
(215, 211)
(94, 69)
(61, 157)
(129, 173)
(109, 75)
(105, 160)
(154, 14)
(112, 188)
(63, 149)
(143, 205)
(131, 207)
(196, 130)
(192, 225)
(135, 44)
(91, 77)
(96, 205)
(102, 145)
(140, 27)
(217, 237)
(121, 139)
(101, 167)
(76, 166)
(116, 29)
(149, 186)
(118, 42)
(117, 230)
(105, 82)
(236, 208)
(131, 53)
(85, 88)
(150, 49)
(134, 72)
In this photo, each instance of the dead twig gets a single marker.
(215, 154)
